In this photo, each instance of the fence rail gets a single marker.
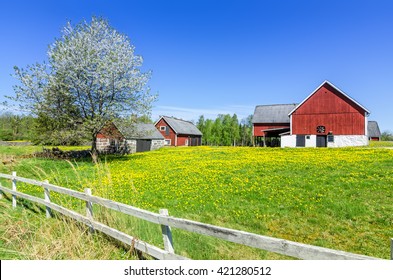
(280, 246)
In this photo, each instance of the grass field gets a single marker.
(336, 198)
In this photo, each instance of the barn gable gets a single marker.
(326, 99)
(332, 109)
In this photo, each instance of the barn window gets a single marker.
(330, 137)
(308, 137)
(320, 129)
(162, 128)
(168, 142)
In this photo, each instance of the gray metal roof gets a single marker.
(140, 131)
(373, 129)
(272, 113)
(182, 126)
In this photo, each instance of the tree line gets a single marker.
(16, 127)
(41, 130)
(387, 136)
(226, 130)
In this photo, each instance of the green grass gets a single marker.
(27, 150)
(381, 144)
(336, 198)
(25, 233)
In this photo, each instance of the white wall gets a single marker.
(288, 141)
(312, 142)
(349, 141)
(339, 141)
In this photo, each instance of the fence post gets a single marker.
(47, 199)
(391, 248)
(167, 234)
(89, 209)
(14, 189)
(1, 192)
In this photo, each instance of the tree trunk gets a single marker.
(94, 151)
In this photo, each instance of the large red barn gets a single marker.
(328, 117)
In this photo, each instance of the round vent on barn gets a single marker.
(320, 129)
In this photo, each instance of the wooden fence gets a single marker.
(280, 246)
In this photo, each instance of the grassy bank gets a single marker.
(336, 198)
(25, 233)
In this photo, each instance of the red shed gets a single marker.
(179, 132)
(269, 121)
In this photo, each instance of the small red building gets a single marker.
(328, 117)
(120, 138)
(374, 134)
(179, 132)
(269, 122)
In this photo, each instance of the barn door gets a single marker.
(143, 145)
(300, 140)
(321, 141)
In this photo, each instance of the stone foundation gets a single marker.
(105, 145)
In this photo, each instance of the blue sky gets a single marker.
(214, 57)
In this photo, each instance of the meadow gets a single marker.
(336, 198)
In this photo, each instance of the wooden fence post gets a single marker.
(391, 248)
(47, 199)
(89, 209)
(167, 234)
(14, 189)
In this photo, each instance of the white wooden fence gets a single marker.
(280, 246)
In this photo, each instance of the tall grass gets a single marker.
(25, 233)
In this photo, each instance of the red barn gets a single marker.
(269, 122)
(179, 132)
(328, 117)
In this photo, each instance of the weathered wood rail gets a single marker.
(280, 246)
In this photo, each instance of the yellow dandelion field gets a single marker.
(336, 198)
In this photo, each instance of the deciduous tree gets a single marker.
(92, 76)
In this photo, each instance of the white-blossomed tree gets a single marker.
(92, 76)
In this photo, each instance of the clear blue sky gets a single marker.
(210, 57)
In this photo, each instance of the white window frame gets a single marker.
(167, 142)
(162, 128)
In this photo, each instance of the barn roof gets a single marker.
(373, 129)
(140, 131)
(182, 126)
(272, 113)
(336, 88)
